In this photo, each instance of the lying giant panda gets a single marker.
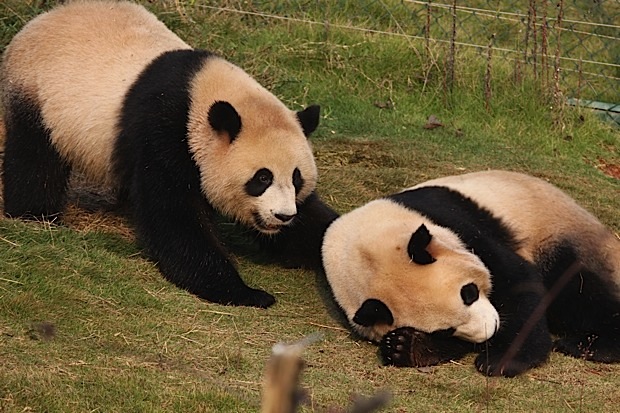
(104, 88)
(478, 258)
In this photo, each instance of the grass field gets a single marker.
(88, 325)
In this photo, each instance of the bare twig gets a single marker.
(427, 31)
(451, 55)
(281, 392)
(487, 75)
(544, 42)
(557, 91)
(534, 39)
(280, 384)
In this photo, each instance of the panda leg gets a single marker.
(299, 244)
(594, 333)
(592, 347)
(176, 227)
(584, 313)
(523, 340)
(34, 174)
(589, 328)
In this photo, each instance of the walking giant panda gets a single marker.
(478, 258)
(104, 88)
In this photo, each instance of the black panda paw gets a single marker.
(259, 298)
(249, 297)
(601, 349)
(494, 365)
(408, 347)
(497, 364)
(405, 347)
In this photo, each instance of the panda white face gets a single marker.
(389, 267)
(256, 164)
(275, 201)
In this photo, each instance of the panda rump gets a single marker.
(105, 89)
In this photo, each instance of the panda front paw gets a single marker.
(255, 298)
(408, 347)
(245, 296)
(499, 364)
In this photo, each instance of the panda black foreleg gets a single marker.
(299, 244)
(523, 340)
(178, 233)
(35, 176)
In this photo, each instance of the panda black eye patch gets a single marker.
(259, 183)
(298, 181)
(470, 293)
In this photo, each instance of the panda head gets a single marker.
(256, 163)
(389, 267)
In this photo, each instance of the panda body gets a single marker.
(491, 257)
(105, 89)
(69, 62)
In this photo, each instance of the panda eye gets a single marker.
(264, 178)
(470, 293)
(298, 181)
(259, 183)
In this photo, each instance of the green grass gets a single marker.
(125, 340)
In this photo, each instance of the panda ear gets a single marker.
(417, 246)
(373, 312)
(223, 117)
(309, 119)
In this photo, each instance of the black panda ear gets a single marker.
(309, 119)
(223, 117)
(373, 312)
(417, 246)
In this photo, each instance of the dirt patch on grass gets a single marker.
(609, 168)
(368, 154)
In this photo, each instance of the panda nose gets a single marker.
(284, 217)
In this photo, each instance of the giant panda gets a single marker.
(105, 89)
(474, 262)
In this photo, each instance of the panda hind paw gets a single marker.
(601, 349)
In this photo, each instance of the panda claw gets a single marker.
(408, 347)
(404, 347)
(601, 349)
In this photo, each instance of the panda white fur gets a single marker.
(478, 258)
(104, 88)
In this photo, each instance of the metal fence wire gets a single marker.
(581, 37)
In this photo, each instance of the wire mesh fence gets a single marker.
(575, 43)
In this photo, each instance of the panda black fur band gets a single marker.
(105, 89)
(495, 262)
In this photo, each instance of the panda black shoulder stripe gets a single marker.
(157, 106)
(451, 209)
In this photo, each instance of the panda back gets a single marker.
(76, 63)
(539, 214)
